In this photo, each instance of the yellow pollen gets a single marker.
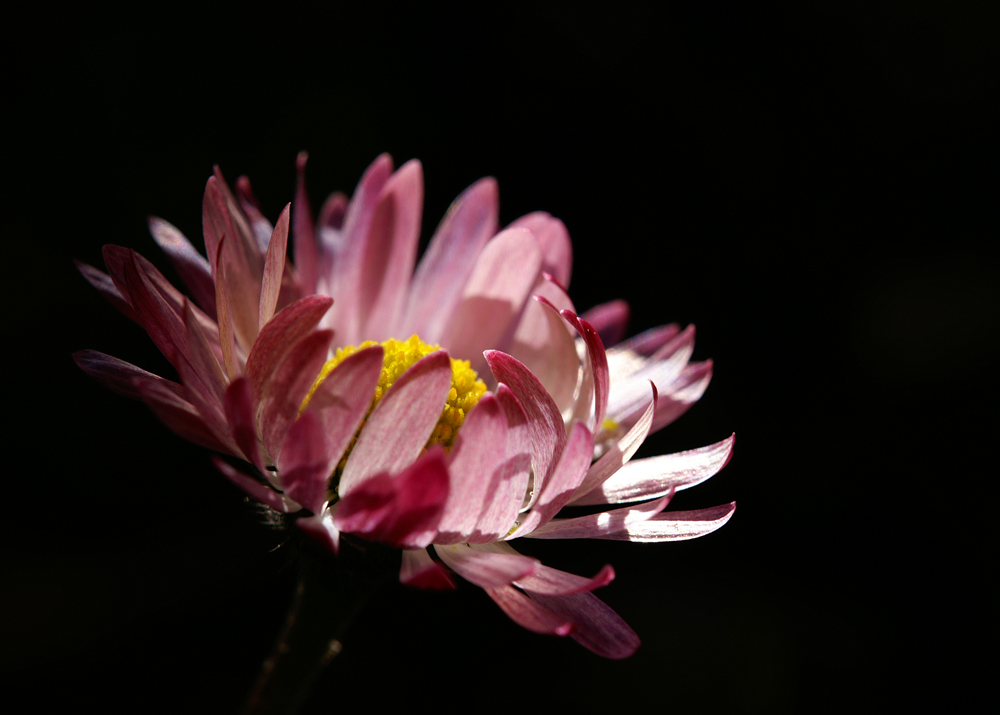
(399, 356)
(609, 424)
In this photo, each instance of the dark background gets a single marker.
(814, 187)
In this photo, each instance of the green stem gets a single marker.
(331, 592)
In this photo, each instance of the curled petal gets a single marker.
(676, 525)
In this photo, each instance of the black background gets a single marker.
(814, 187)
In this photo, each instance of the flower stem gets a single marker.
(331, 591)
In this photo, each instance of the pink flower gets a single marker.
(403, 441)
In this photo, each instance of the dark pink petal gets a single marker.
(283, 331)
(342, 400)
(305, 466)
(655, 476)
(676, 525)
(164, 326)
(401, 423)
(103, 283)
(274, 269)
(210, 408)
(566, 477)
(401, 510)
(260, 492)
(478, 454)
(348, 255)
(391, 252)
(545, 345)
(620, 452)
(203, 361)
(333, 211)
(177, 413)
(259, 224)
(527, 613)
(486, 569)
(609, 320)
(553, 238)
(191, 266)
(494, 296)
(321, 528)
(595, 626)
(598, 365)
(419, 570)
(305, 249)
(119, 375)
(595, 525)
(509, 483)
(283, 393)
(240, 415)
(449, 259)
(227, 336)
(553, 582)
(545, 423)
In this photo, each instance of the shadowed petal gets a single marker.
(261, 227)
(549, 581)
(486, 569)
(598, 366)
(106, 286)
(527, 613)
(118, 375)
(304, 246)
(260, 492)
(238, 404)
(321, 528)
(609, 320)
(676, 525)
(419, 570)
(178, 414)
(305, 466)
(595, 626)
(274, 269)
(191, 266)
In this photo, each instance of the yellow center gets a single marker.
(399, 356)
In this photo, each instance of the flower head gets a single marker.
(445, 408)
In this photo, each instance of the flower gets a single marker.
(446, 410)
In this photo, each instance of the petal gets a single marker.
(401, 423)
(655, 476)
(191, 266)
(274, 269)
(391, 251)
(103, 283)
(609, 320)
(283, 331)
(595, 626)
(486, 569)
(260, 492)
(598, 365)
(239, 413)
(177, 413)
(594, 525)
(565, 479)
(682, 393)
(401, 510)
(494, 296)
(321, 528)
(620, 452)
(305, 466)
(629, 394)
(553, 238)
(449, 259)
(419, 570)
(549, 581)
(227, 332)
(304, 246)
(118, 375)
(527, 613)
(626, 358)
(477, 455)
(676, 525)
(261, 227)
(203, 360)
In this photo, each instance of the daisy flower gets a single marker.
(446, 407)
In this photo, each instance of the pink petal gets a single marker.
(609, 320)
(164, 326)
(419, 570)
(401, 510)
(321, 528)
(552, 582)
(477, 455)
(203, 361)
(508, 484)
(260, 492)
(177, 413)
(544, 344)
(682, 393)
(119, 375)
(227, 333)
(619, 454)
(607, 522)
(527, 613)
(553, 238)
(192, 267)
(629, 394)
(103, 283)
(494, 296)
(566, 477)
(284, 392)
(625, 359)
(486, 569)
(401, 423)
(391, 251)
(545, 423)
(333, 211)
(274, 269)
(283, 331)
(676, 525)
(304, 465)
(446, 265)
(655, 476)
(595, 626)
(259, 224)
(240, 415)
(304, 246)
(598, 365)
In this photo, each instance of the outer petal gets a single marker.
(274, 269)
(192, 267)
(595, 626)
(609, 320)
(118, 375)
(446, 265)
(549, 581)
(598, 365)
(320, 527)
(676, 525)
(259, 492)
(402, 510)
(655, 476)
(305, 465)
(553, 238)
(399, 427)
(419, 570)
(177, 413)
(486, 569)
(527, 613)
(239, 412)
(682, 393)
(106, 286)
(595, 525)
(304, 245)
